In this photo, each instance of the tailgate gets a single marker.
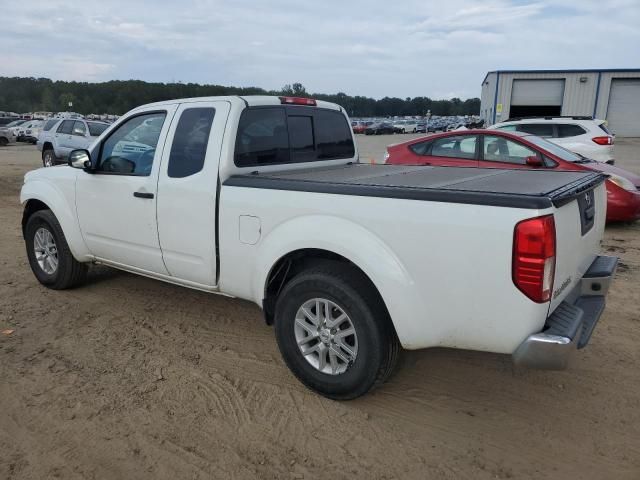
(579, 219)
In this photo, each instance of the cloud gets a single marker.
(402, 48)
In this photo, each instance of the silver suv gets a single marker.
(60, 136)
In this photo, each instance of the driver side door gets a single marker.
(116, 202)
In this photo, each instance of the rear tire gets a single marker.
(364, 358)
(49, 255)
(3, 142)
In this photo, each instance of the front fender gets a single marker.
(64, 208)
(334, 234)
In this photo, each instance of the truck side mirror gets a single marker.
(80, 159)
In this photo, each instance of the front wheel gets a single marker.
(48, 252)
(48, 158)
(334, 332)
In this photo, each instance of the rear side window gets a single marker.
(190, 141)
(79, 128)
(421, 148)
(66, 127)
(49, 124)
(604, 128)
(96, 129)
(539, 129)
(333, 135)
(569, 130)
(455, 147)
(262, 137)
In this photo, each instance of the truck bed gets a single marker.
(533, 189)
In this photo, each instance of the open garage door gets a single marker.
(623, 114)
(536, 98)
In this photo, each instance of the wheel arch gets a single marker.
(36, 196)
(373, 259)
(48, 145)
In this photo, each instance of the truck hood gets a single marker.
(50, 173)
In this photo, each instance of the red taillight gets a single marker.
(603, 140)
(298, 101)
(534, 257)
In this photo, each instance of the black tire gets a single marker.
(69, 271)
(48, 157)
(3, 142)
(378, 345)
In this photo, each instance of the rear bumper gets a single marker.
(572, 323)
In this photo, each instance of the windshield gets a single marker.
(96, 129)
(15, 123)
(557, 150)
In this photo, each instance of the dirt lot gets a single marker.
(128, 377)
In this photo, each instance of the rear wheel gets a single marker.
(48, 252)
(334, 332)
(3, 142)
(48, 158)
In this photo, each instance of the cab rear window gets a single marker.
(277, 135)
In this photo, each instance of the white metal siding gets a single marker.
(537, 92)
(486, 98)
(584, 92)
(623, 114)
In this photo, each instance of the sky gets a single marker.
(402, 48)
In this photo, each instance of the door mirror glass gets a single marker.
(80, 159)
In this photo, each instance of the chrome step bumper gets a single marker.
(572, 323)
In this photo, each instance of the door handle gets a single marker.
(142, 195)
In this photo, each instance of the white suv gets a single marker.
(583, 135)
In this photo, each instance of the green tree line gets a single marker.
(18, 94)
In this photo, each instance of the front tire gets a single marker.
(49, 255)
(334, 332)
(48, 158)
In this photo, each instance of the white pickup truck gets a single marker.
(263, 198)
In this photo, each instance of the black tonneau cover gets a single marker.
(535, 189)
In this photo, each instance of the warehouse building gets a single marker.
(613, 95)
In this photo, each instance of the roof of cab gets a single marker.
(248, 100)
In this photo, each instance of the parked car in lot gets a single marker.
(6, 136)
(360, 126)
(29, 131)
(380, 128)
(504, 149)
(10, 121)
(66, 135)
(405, 126)
(421, 127)
(14, 124)
(262, 198)
(584, 135)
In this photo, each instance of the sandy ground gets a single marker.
(128, 377)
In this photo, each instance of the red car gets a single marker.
(359, 127)
(501, 149)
